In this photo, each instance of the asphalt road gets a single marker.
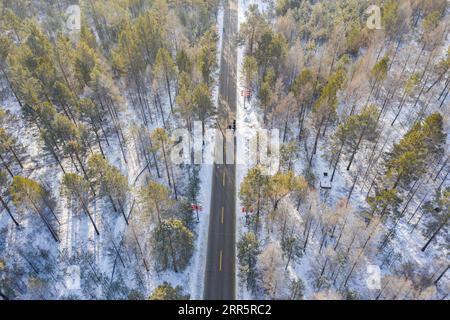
(221, 251)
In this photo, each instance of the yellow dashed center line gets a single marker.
(222, 215)
(223, 177)
(220, 261)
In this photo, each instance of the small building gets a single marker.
(325, 180)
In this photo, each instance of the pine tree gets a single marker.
(354, 131)
(185, 103)
(324, 110)
(422, 143)
(163, 143)
(439, 216)
(378, 74)
(6, 47)
(282, 184)
(65, 56)
(174, 245)
(28, 194)
(392, 19)
(150, 34)
(288, 154)
(303, 89)
(411, 86)
(3, 187)
(9, 148)
(271, 50)
(266, 92)
(165, 70)
(167, 292)
(203, 106)
(14, 24)
(297, 289)
(86, 60)
(90, 113)
(253, 27)
(39, 59)
(250, 71)
(292, 249)
(183, 61)
(434, 136)
(253, 191)
(156, 200)
(442, 68)
(75, 187)
(207, 56)
(248, 251)
(110, 181)
(384, 202)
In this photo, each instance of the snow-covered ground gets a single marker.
(406, 243)
(197, 268)
(104, 260)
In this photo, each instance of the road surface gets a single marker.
(220, 260)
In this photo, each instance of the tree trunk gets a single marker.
(441, 275)
(307, 236)
(2, 201)
(435, 233)
(340, 233)
(351, 190)
(167, 165)
(88, 213)
(47, 224)
(337, 160)
(316, 140)
(356, 148)
(6, 166)
(169, 93)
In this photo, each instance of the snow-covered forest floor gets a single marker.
(93, 207)
(121, 260)
(321, 241)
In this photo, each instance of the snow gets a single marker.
(76, 231)
(198, 265)
(406, 243)
(78, 238)
(248, 121)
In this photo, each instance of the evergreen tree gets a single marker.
(203, 106)
(156, 200)
(408, 159)
(439, 214)
(75, 187)
(384, 202)
(354, 131)
(253, 191)
(3, 187)
(163, 143)
(110, 181)
(28, 194)
(207, 56)
(324, 110)
(185, 100)
(248, 251)
(250, 71)
(174, 245)
(165, 70)
(183, 61)
(9, 148)
(167, 292)
(282, 184)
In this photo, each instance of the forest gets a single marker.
(363, 176)
(93, 207)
